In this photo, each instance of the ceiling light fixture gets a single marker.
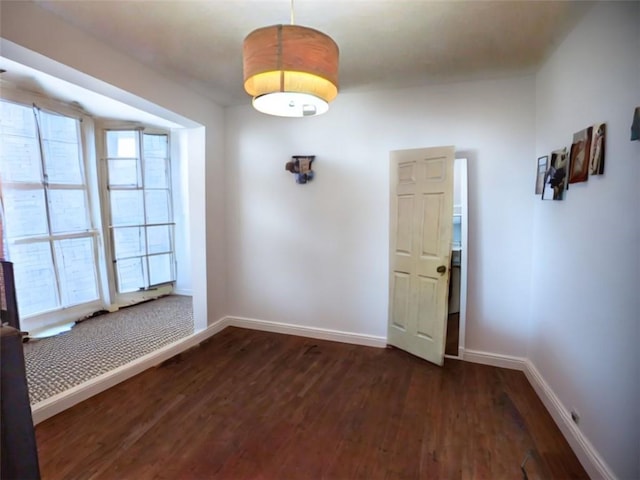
(290, 70)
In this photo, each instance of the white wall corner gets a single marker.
(589, 457)
(310, 332)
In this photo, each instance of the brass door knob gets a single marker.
(441, 269)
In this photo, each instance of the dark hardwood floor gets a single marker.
(257, 405)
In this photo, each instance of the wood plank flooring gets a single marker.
(257, 405)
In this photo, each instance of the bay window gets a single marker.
(54, 227)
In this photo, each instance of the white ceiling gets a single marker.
(383, 44)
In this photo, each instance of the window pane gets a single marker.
(77, 272)
(25, 213)
(20, 159)
(68, 211)
(126, 207)
(62, 162)
(59, 128)
(155, 173)
(130, 274)
(128, 242)
(159, 239)
(17, 120)
(122, 144)
(157, 205)
(35, 277)
(160, 269)
(155, 145)
(124, 173)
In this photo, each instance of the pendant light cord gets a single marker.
(293, 22)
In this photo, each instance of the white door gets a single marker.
(420, 249)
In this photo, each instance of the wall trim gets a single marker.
(305, 331)
(182, 291)
(67, 399)
(494, 359)
(589, 457)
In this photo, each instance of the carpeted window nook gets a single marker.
(103, 343)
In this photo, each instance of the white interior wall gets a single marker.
(180, 193)
(317, 254)
(37, 38)
(586, 261)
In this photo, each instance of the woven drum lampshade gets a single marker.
(290, 70)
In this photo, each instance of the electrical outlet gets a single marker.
(575, 416)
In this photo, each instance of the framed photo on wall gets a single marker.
(580, 154)
(555, 178)
(596, 159)
(542, 169)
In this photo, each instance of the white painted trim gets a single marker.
(187, 292)
(311, 332)
(589, 457)
(57, 403)
(494, 359)
(464, 258)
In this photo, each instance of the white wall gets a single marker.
(180, 193)
(317, 254)
(33, 31)
(586, 263)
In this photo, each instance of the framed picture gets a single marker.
(542, 169)
(555, 178)
(580, 154)
(596, 159)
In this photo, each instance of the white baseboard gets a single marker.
(183, 291)
(311, 332)
(589, 457)
(57, 403)
(494, 359)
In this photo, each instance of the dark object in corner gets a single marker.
(635, 126)
(18, 452)
(8, 302)
(300, 166)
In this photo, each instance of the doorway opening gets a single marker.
(456, 318)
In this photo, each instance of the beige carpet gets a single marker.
(103, 343)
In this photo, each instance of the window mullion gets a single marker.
(144, 205)
(45, 185)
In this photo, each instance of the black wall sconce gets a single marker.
(300, 166)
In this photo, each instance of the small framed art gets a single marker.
(555, 178)
(542, 169)
(596, 159)
(580, 154)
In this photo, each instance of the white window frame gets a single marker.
(153, 291)
(45, 319)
